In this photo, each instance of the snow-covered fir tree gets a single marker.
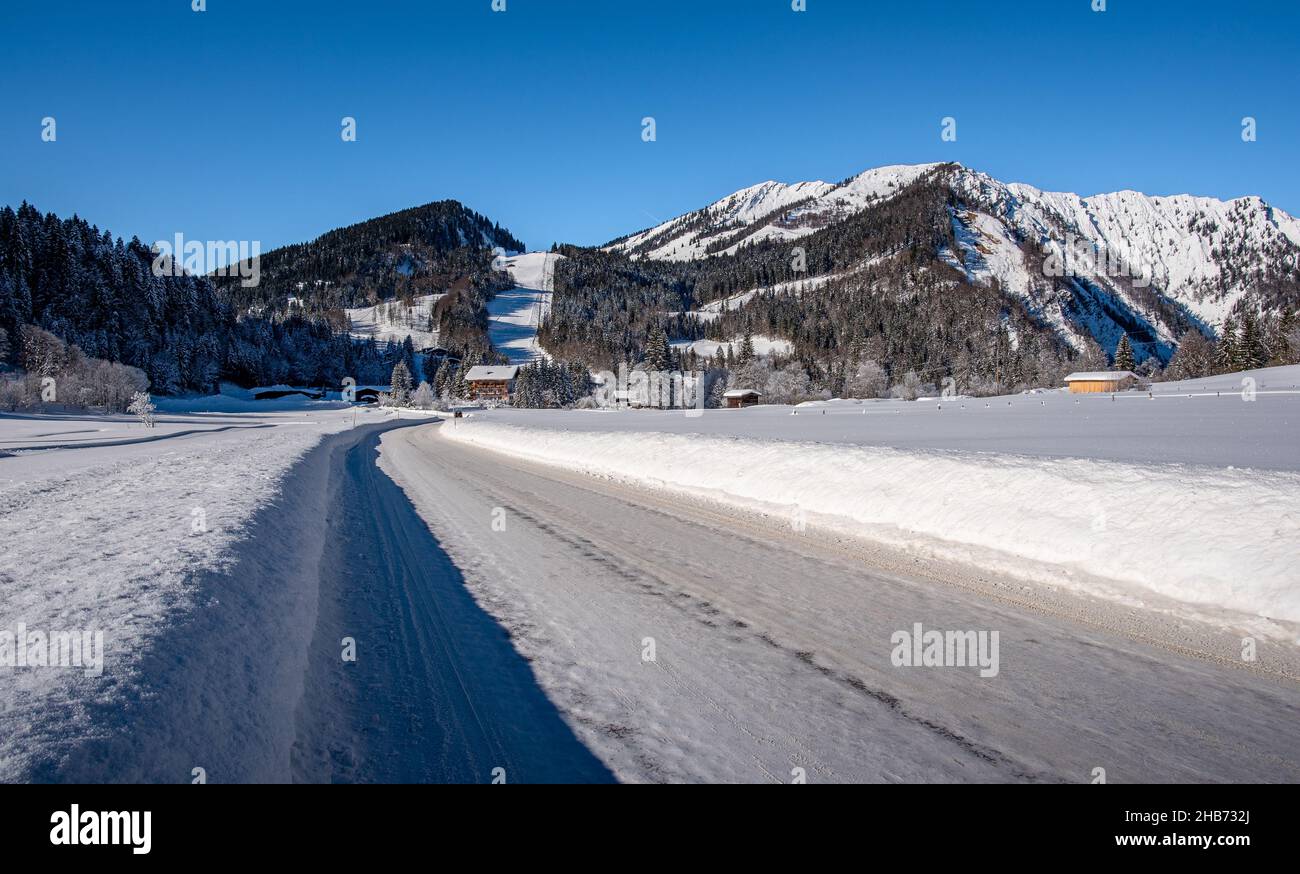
(658, 355)
(401, 388)
(1227, 354)
(1124, 354)
(1252, 351)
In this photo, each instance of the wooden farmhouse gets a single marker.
(492, 383)
(735, 398)
(1100, 381)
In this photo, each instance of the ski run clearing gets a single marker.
(515, 314)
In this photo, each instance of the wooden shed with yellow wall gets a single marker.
(1101, 381)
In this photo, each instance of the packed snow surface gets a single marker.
(515, 314)
(1192, 498)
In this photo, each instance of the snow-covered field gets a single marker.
(515, 314)
(122, 533)
(1195, 499)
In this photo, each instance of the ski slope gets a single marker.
(515, 314)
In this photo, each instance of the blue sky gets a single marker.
(225, 124)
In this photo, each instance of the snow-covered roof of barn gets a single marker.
(740, 393)
(1100, 375)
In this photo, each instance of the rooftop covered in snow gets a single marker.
(495, 373)
(1100, 376)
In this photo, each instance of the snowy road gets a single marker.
(436, 693)
(771, 649)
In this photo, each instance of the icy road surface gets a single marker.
(771, 648)
(436, 693)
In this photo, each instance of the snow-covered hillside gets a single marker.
(769, 210)
(763, 346)
(1199, 253)
(1145, 265)
(393, 320)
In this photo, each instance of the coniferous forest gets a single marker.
(98, 293)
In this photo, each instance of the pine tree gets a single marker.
(746, 348)
(1286, 338)
(402, 383)
(459, 385)
(1252, 352)
(432, 363)
(581, 380)
(1226, 354)
(657, 354)
(1124, 354)
(1193, 359)
(408, 353)
(442, 384)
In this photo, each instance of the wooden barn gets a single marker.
(492, 383)
(1100, 381)
(735, 398)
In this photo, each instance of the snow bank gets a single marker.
(148, 543)
(1222, 538)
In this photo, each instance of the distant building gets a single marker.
(1100, 381)
(735, 398)
(281, 391)
(439, 353)
(492, 382)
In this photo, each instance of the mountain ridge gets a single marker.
(1093, 266)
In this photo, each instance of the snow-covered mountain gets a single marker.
(1087, 266)
(769, 210)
